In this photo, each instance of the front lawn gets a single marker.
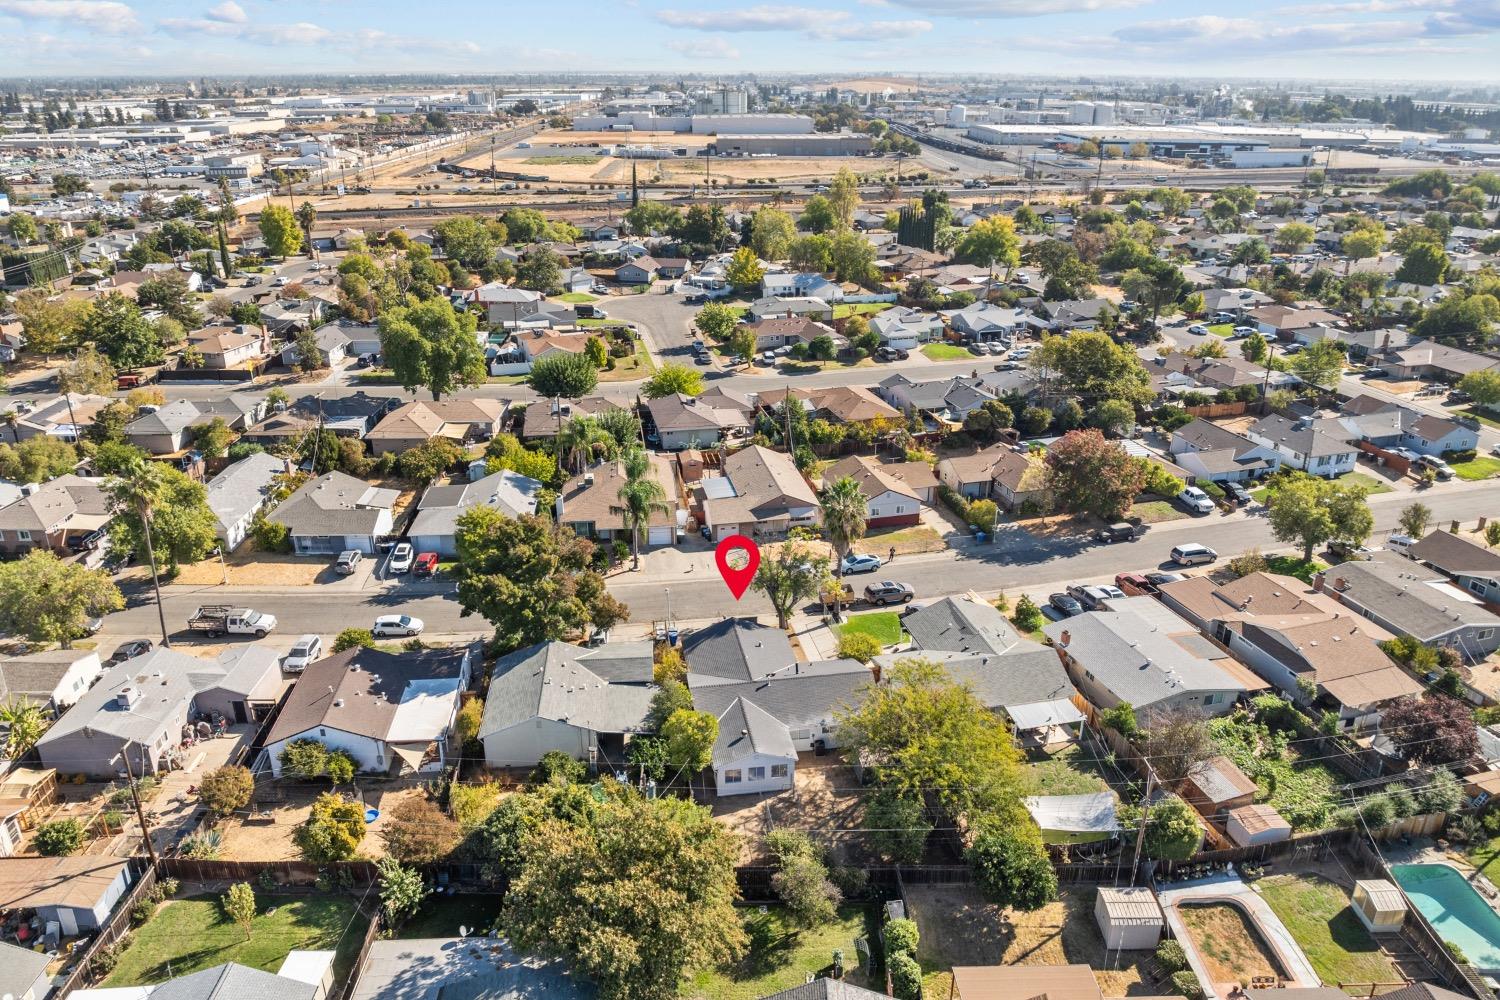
(844, 311)
(906, 541)
(192, 934)
(577, 297)
(442, 916)
(945, 352)
(781, 956)
(1483, 416)
(1372, 484)
(1157, 511)
(1480, 467)
(885, 626)
(1221, 329)
(1294, 566)
(637, 366)
(1318, 914)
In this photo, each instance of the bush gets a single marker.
(1121, 719)
(108, 956)
(351, 637)
(270, 536)
(1171, 956)
(983, 514)
(900, 937)
(1185, 983)
(164, 889)
(226, 789)
(906, 977)
(1457, 953)
(202, 846)
(1248, 562)
(141, 912)
(1028, 616)
(556, 766)
(859, 646)
(59, 838)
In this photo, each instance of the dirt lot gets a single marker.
(959, 928)
(1228, 945)
(823, 803)
(248, 567)
(272, 841)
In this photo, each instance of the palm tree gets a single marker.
(139, 487)
(844, 512)
(642, 496)
(307, 214)
(24, 724)
(581, 441)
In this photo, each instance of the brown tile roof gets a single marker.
(873, 479)
(358, 691)
(599, 501)
(29, 883)
(448, 418)
(1025, 982)
(854, 403)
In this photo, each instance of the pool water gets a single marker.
(1455, 909)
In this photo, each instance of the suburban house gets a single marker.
(303, 975)
(949, 400)
(545, 418)
(1291, 634)
(506, 306)
(965, 624)
(1302, 446)
(534, 345)
(66, 416)
(1391, 425)
(51, 679)
(1070, 314)
(433, 529)
(1405, 598)
(1233, 300)
(45, 516)
(770, 707)
(225, 347)
(760, 494)
(851, 404)
(699, 421)
(333, 348)
(1179, 374)
(140, 706)
(1026, 683)
(905, 329)
(346, 416)
(889, 501)
(1139, 651)
(1026, 982)
(640, 271)
(391, 712)
(1473, 567)
(336, 512)
(1010, 477)
(985, 321)
(786, 331)
(800, 284)
(168, 429)
(1359, 344)
(584, 701)
(238, 493)
(420, 421)
(1426, 359)
(1218, 454)
(790, 306)
(590, 504)
(1286, 322)
(576, 280)
(23, 973)
(289, 317)
(78, 892)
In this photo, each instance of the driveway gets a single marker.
(665, 321)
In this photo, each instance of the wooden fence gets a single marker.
(1209, 411)
(113, 930)
(372, 932)
(1389, 459)
(288, 873)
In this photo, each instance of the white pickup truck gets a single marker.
(218, 619)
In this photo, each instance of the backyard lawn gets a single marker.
(577, 297)
(1372, 484)
(442, 916)
(1481, 467)
(1074, 771)
(1485, 855)
(860, 309)
(885, 626)
(1317, 913)
(1294, 566)
(780, 956)
(945, 352)
(192, 934)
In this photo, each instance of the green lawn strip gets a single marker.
(1062, 775)
(591, 321)
(860, 309)
(1321, 921)
(945, 352)
(1157, 511)
(1294, 566)
(442, 916)
(557, 161)
(576, 297)
(1493, 419)
(1221, 329)
(885, 626)
(192, 934)
(780, 956)
(1486, 857)
(1371, 484)
(1476, 469)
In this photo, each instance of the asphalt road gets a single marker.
(1017, 561)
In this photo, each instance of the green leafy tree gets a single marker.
(899, 827)
(212, 438)
(789, 577)
(1091, 365)
(401, 890)
(1254, 348)
(598, 354)
(530, 579)
(168, 292)
(581, 442)
(25, 725)
(818, 215)
(430, 346)
(652, 218)
(859, 646)
(1483, 387)
(1361, 244)
(744, 271)
(281, 231)
(52, 325)
(239, 906)
(115, 325)
(1293, 236)
(990, 242)
(1320, 364)
(671, 696)
(1011, 866)
(1414, 519)
(351, 637)
(771, 234)
(1424, 264)
(843, 196)
(671, 379)
(46, 599)
(809, 253)
(182, 525)
(539, 271)
(465, 239)
(641, 496)
(333, 830)
(801, 879)
(1310, 512)
(571, 376)
(851, 257)
(716, 321)
(430, 459)
(1087, 474)
(227, 789)
(1028, 616)
(36, 459)
(1156, 284)
(1173, 832)
(690, 738)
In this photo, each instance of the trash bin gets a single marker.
(979, 537)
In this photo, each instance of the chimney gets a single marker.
(1317, 581)
(1065, 638)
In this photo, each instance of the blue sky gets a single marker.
(1384, 40)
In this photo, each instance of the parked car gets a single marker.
(1199, 329)
(401, 558)
(1196, 500)
(1134, 584)
(1243, 331)
(130, 650)
(1401, 544)
(87, 542)
(1122, 531)
(1159, 580)
(1065, 605)
(1443, 470)
(307, 649)
(426, 564)
(396, 625)
(348, 561)
(854, 563)
(1193, 554)
(1236, 493)
(281, 281)
(888, 592)
(1224, 317)
(1345, 550)
(1094, 597)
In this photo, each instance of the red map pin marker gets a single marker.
(739, 574)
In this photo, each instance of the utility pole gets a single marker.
(140, 814)
(1140, 833)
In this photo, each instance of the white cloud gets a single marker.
(872, 30)
(219, 23)
(372, 38)
(1246, 34)
(704, 48)
(228, 12)
(109, 16)
(1013, 8)
(764, 17)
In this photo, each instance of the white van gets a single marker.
(307, 649)
(1401, 544)
(1193, 554)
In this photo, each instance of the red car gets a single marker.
(426, 564)
(1134, 584)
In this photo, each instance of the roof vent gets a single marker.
(338, 703)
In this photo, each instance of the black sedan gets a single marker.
(1065, 605)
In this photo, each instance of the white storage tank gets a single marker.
(958, 115)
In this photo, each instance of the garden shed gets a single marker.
(1380, 906)
(1217, 785)
(1075, 819)
(1250, 825)
(1128, 917)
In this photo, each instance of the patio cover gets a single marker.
(411, 753)
(1043, 713)
(1074, 819)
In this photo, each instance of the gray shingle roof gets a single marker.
(758, 716)
(20, 968)
(241, 487)
(826, 989)
(233, 982)
(334, 504)
(1028, 674)
(733, 650)
(1396, 590)
(506, 491)
(606, 689)
(961, 625)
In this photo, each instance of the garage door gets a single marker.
(659, 535)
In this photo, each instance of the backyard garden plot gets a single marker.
(1317, 913)
(781, 956)
(1301, 790)
(1228, 944)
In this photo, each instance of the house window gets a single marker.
(1476, 587)
(732, 776)
(1486, 633)
(1212, 699)
(322, 733)
(900, 509)
(23, 535)
(778, 770)
(757, 774)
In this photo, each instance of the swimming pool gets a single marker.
(1455, 909)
